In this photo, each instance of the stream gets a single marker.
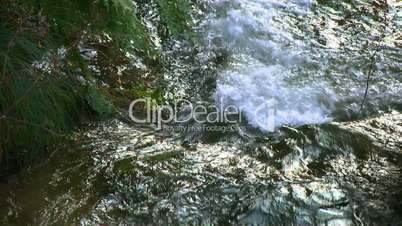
(326, 159)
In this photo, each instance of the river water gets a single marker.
(328, 160)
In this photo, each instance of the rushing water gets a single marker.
(274, 56)
(328, 162)
(266, 56)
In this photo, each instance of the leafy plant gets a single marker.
(175, 15)
(47, 85)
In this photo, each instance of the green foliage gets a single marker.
(70, 19)
(175, 15)
(27, 95)
(145, 92)
(125, 166)
(98, 102)
(37, 103)
(42, 94)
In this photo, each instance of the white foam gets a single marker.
(263, 55)
(253, 89)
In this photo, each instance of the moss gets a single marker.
(165, 156)
(98, 102)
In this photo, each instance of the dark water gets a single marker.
(328, 162)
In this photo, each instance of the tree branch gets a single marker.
(369, 75)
